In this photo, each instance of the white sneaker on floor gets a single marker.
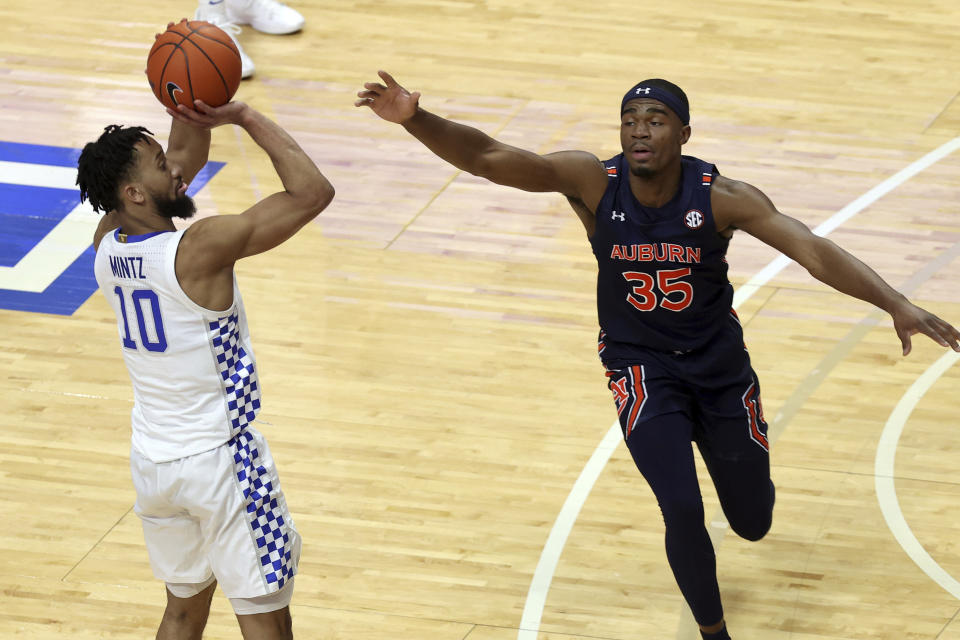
(214, 14)
(268, 16)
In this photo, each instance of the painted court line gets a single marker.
(781, 261)
(553, 548)
(68, 239)
(38, 175)
(883, 474)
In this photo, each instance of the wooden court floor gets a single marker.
(427, 347)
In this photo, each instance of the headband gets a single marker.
(653, 92)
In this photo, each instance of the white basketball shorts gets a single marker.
(219, 512)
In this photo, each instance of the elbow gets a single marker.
(309, 200)
(321, 196)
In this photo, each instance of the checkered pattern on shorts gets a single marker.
(265, 510)
(237, 371)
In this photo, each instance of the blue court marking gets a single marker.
(28, 214)
(39, 154)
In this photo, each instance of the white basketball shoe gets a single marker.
(268, 16)
(215, 13)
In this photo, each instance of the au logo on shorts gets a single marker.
(693, 219)
(46, 234)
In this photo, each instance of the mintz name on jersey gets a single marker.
(127, 266)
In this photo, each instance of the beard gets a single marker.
(181, 206)
(643, 172)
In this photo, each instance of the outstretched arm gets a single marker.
(576, 174)
(742, 206)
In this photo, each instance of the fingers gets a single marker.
(374, 86)
(905, 342)
(176, 115)
(945, 334)
(193, 117)
(366, 97)
(202, 107)
(387, 78)
(937, 330)
(950, 334)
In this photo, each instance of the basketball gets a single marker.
(193, 60)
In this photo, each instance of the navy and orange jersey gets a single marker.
(662, 281)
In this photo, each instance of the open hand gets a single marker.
(207, 117)
(391, 102)
(910, 319)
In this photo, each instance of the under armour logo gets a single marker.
(644, 90)
(618, 216)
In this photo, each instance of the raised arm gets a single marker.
(211, 246)
(575, 174)
(188, 148)
(189, 145)
(742, 206)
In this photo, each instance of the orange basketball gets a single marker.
(193, 60)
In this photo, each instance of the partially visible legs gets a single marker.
(732, 439)
(188, 606)
(275, 625)
(654, 411)
(662, 452)
(745, 490)
(266, 617)
(261, 618)
(220, 513)
(732, 433)
(175, 544)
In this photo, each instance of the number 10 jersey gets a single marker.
(194, 374)
(662, 280)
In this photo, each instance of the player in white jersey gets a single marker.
(208, 494)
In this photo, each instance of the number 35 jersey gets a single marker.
(662, 281)
(194, 375)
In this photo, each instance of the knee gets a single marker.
(752, 526)
(752, 531)
(182, 623)
(752, 521)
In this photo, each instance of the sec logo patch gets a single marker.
(693, 219)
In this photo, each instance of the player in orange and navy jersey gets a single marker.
(659, 224)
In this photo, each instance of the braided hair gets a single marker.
(104, 164)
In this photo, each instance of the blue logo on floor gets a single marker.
(46, 234)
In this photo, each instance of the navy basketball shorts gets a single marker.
(713, 389)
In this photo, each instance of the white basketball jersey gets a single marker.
(194, 377)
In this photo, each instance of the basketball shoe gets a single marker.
(267, 16)
(215, 13)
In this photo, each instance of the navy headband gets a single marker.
(653, 92)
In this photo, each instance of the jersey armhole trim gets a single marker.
(172, 250)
